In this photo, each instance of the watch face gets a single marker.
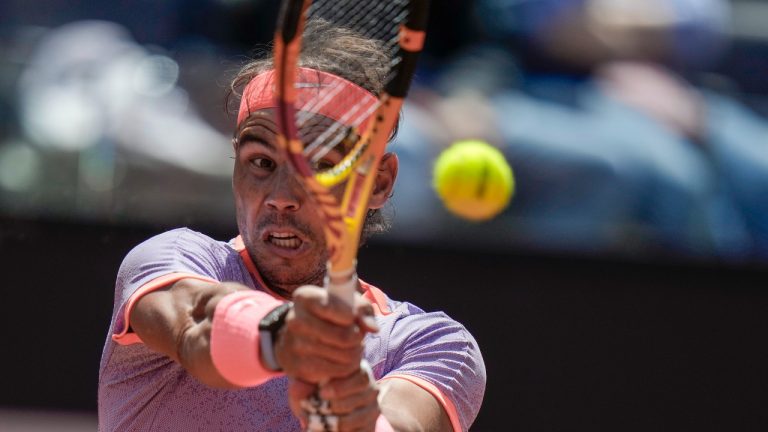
(275, 318)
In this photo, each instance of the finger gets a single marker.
(303, 322)
(317, 370)
(323, 305)
(299, 391)
(313, 349)
(365, 317)
(358, 382)
(354, 401)
(361, 419)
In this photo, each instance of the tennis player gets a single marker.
(237, 336)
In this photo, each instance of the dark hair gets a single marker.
(335, 50)
(342, 52)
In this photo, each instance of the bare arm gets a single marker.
(316, 343)
(408, 407)
(176, 321)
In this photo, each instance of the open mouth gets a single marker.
(284, 240)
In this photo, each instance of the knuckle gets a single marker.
(341, 406)
(349, 369)
(361, 379)
(291, 324)
(356, 352)
(350, 338)
(300, 347)
(366, 307)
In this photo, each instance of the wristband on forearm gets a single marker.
(235, 345)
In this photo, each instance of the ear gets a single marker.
(385, 181)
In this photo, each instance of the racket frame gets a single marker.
(343, 221)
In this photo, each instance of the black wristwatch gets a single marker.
(268, 328)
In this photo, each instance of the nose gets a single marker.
(286, 193)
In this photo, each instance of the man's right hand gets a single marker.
(322, 336)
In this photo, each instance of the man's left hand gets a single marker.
(353, 400)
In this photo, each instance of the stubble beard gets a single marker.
(282, 280)
(285, 285)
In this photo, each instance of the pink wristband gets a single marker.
(382, 424)
(235, 337)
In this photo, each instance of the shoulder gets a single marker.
(438, 354)
(175, 242)
(178, 238)
(407, 329)
(413, 327)
(410, 334)
(177, 250)
(406, 320)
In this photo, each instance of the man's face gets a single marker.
(277, 220)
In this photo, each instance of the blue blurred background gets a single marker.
(633, 128)
(637, 132)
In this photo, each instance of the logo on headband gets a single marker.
(311, 85)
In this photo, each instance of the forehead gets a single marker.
(264, 117)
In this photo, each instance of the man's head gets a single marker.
(277, 220)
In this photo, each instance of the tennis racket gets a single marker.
(333, 130)
(356, 126)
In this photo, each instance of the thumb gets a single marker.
(364, 315)
(298, 391)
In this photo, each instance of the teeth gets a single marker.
(290, 242)
(281, 235)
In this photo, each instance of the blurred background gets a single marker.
(622, 289)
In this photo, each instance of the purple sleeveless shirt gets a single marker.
(142, 390)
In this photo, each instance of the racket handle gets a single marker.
(342, 284)
(319, 411)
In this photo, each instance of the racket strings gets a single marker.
(334, 135)
(373, 19)
(378, 21)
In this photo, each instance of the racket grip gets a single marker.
(342, 284)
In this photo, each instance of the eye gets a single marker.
(263, 163)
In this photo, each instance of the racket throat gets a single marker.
(342, 283)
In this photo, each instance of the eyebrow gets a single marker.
(247, 142)
(248, 135)
(258, 123)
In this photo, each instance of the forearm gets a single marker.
(193, 348)
(177, 322)
(195, 357)
(410, 408)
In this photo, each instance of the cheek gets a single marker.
(247, 200)
(245, 186)
(241, 214)
(239, 194)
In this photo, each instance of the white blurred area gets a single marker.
(107, 133)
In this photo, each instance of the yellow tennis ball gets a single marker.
(473, 179)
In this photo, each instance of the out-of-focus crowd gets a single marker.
(633, 127)
(620, 120)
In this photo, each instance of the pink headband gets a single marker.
(317, 92)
